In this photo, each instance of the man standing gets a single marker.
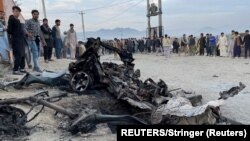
(202, 44)
(192, 45)
(16, 33)
(237, 45)
(184, 44)
(153, 42)
(33, 30)
(176, 46)
(222, 43)
(72, 41)
(208, 47)
(212, 44)
(141, 45)
(158, 46)
(56, 34)
(148, 45)
(246, 42)
(4, 45)
(231, 44)
(167, 46)
(47, 34)
(65, 48)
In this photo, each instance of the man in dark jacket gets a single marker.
(47, 34)
(237, 45)
(153, 43)
(202, 44)
(184, 43)
(158, 46)
(58, 43)
(246, 42)
(148, 45)
(176, 45)
(192, 47)
(16, 32)
(208, 47)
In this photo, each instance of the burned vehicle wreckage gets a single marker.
(140, 103)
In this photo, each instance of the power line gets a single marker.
(112, 5)
(92, 9)
(105, 21)
(69, 12)
(109, 19)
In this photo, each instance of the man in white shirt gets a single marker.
(166, 46)
(223, 45)
(72, 41)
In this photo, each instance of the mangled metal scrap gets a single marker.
(86, 124)
(88, 72)
(232, 92)
(123, 83)
(42, 98)
(149, 102)
(53, 79)
(182, 107)
(149, 95)
(12, 121)
(84, 74)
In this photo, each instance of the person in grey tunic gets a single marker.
(231, 42)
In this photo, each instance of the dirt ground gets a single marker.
(190, 73)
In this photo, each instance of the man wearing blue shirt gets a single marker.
(212, 44)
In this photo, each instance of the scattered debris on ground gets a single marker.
(12, 122)
(232, 92)
(119, 95)
(216, 76)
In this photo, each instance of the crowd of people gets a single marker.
(35, 38)
(209, 45)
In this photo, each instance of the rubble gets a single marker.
(4, 68)
(53, 79)
(216, 76)
(232, 92)
(125, 98)
(150, 97)
(12, 122)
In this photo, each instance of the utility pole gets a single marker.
(148, 16)
(153, 10)
(44, 9)
(83, 27)
(160, 18)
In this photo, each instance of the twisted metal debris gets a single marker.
(144, 102)
(12, 121)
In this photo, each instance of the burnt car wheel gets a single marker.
(80, 82)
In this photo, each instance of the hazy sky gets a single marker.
(179, 16)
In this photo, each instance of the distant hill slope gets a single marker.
(114, 33)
